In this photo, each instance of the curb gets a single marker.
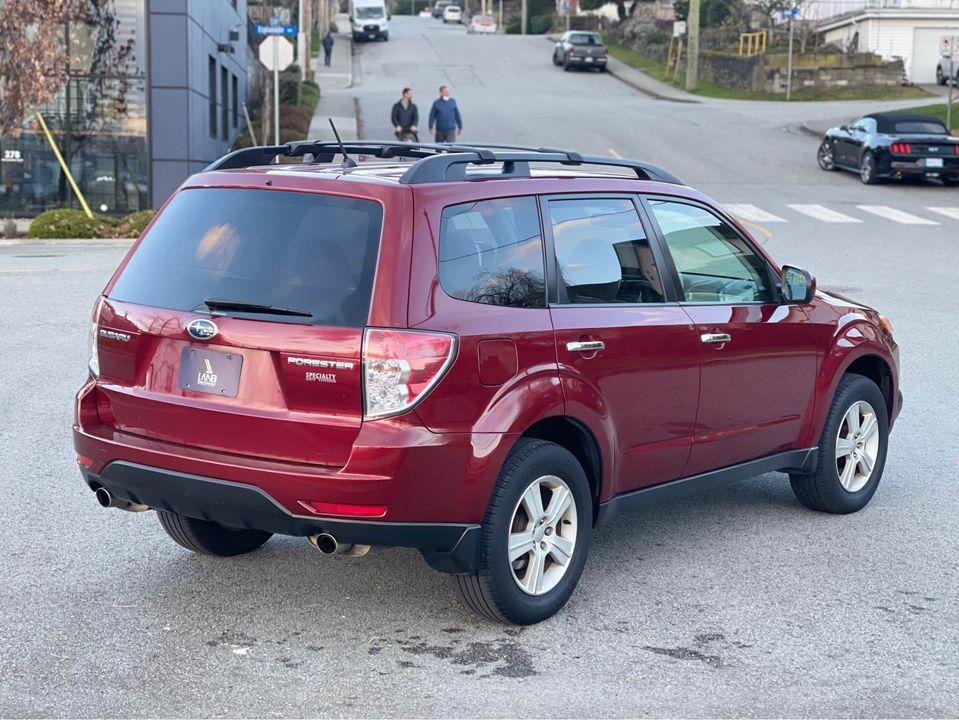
(805, 129)
(648, 91)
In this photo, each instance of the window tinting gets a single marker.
(931, 127)
(302, 251)
(492, 252)
(603, 253)
(584, 39)
(714, 263)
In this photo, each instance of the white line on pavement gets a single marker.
(949, 212)
(821, 212)
(899, 216)
(752, 213)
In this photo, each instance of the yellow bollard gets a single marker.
(63, 164)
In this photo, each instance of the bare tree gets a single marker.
(32, 56)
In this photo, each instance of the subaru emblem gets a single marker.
(202, 329)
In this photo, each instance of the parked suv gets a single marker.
(483, 354)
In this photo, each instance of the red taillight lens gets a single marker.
(570, 51)
(84, 462)
(94, 362)
(955, 149)
(901, 148)
(400, 367)
(325, 508)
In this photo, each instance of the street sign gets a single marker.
(679, 28)
(567, 8)
(284, 30)
(279, 60)
(791, 13)
(949, 46)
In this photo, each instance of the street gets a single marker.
(736, 602)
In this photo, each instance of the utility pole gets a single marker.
(791, 12)
(523, 16)
(692, 49)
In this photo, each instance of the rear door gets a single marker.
(759, 357)
(628, 354)
(237, 324)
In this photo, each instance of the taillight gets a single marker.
(94, 362)
(955, 149)
(400, 367)
(901, 148)
(327, 508)
(571, 52)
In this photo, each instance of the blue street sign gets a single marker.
(284, 30)
(792, 13)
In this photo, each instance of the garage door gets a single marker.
(925, 53)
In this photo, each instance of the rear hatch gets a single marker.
(237, 324)
(586, 46)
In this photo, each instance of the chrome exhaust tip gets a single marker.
(104, 497)
(107, 500)
(328, 545)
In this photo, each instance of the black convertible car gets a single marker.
(892, 145)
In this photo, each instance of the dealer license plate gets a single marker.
(208, 371)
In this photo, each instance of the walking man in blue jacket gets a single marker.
(445, 117)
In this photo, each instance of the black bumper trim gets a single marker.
(448, 547)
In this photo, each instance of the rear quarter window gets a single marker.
(301, 251)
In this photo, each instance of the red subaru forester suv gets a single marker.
(480, 352)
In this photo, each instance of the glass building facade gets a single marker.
(98, 119)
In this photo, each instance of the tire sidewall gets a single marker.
(520, 470)
(825, 144)
(852, 391)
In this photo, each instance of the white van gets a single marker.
(369, 20)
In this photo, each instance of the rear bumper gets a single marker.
(950, 167)
(583, 62)
(448, 547)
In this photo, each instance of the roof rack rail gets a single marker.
(437, 162)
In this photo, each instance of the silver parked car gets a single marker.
(579, 48)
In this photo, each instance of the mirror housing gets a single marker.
(797, 285)
(844, 128)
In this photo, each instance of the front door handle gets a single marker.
(715, 337)
(586, 346)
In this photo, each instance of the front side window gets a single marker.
(603, 253)
(715, 264)
(491, 252)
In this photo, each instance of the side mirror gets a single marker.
(798, 286)
(844, 128)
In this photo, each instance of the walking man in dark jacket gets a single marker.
(445, 117)
(327, 48)
(405, 117)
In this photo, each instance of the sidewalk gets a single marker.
(645, 84)
(335, 104)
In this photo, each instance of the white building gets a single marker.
(905, 29)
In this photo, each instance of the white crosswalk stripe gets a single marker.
(899, 216)
(949, 212)
(751, 213)
(821, 212)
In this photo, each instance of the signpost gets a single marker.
(276, 53)
(792, 13)
(949, 47)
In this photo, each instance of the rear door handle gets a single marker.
(586, 346)
(715, 337)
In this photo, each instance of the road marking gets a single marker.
(615, 154)
(949, 212)
(821, 212)
(899, 216)
(752, 213)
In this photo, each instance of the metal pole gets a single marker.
(568, 13)
(249, 125)
(789, 62)
(952, 83)
(500, 23)
(63, 166)
(301, 43)
(692, 49)
(276, 90)
(523, 12)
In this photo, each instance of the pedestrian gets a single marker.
(405, 117)
(327, 48)
(445, 116)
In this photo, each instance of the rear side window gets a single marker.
(491, 252)
(301, 251)
(603, 253)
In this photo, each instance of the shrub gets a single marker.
(133, 224)
(295, 117)
(9, 228)
(68, 223)
(540, 24)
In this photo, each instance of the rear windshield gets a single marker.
(584, 39)
(301, 251)
(919, 127)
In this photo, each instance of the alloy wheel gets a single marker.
(825, 156)
(542, 536)
(857, 446)
(866, 169)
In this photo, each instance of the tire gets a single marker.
(556, 62)
(940, 77)
(867, 169)
(566, 65)
(952, 181)
(386, 37)
(824, 490)
(208, 538)
(826, 157)
(494, 590)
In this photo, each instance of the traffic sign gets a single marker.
(949, 46)
(277, 29)
(791, 13)
(679, 28)
(281, 58)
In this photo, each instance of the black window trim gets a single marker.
(771, 274)
(666, 271)
(542, 246)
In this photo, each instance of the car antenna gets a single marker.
(347, 161)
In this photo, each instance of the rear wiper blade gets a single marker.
(250, 307)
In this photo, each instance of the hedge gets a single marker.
(68, 223)
(134, 224)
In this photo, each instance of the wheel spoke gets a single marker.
(520, 543)
(534, 572)
(844, 447)
(848, 473)
(866, 462)
(852, 419)
(558, 504)
(561, 549)
(533, 502)
(868, 428)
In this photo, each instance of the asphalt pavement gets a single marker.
(736, 602)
